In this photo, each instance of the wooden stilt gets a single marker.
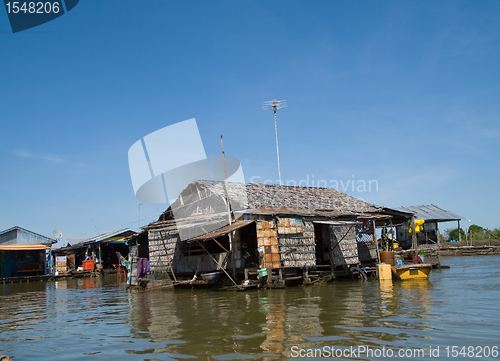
(269, 276)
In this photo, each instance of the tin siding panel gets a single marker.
(344, 245)
(296, 242)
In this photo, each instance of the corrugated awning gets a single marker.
(222, 231)
(115, 240)
(23, 247)
(338, 223)
(431, 213)
(373, 216)
(113, 237)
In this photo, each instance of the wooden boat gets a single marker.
(412, 271)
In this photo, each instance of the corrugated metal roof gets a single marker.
(222, 231)
(24, 247)
(28, 231)
(431, 213)
(109, 237)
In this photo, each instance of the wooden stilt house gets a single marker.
(287, 229)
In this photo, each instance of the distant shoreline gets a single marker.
(470, 251)
(478, 248)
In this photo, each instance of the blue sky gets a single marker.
(404, 93)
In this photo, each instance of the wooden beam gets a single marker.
(220, 245)
(460, 233)
(217, 263)
(414, 243)
(375, 240)
(168, 258)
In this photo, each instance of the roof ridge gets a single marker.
(28, 231)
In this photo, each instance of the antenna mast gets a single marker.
(275, 104)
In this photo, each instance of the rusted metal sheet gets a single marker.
(222, 231)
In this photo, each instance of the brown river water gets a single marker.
(454, 315)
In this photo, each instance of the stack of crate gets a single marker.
(267, 237)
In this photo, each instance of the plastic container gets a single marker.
(88, 265)
(387, 257)
(262, 272)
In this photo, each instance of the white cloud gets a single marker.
(48, 157)
(490, 133)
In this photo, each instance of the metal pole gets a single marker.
(275, 105)
(277, 148)
(139, 217)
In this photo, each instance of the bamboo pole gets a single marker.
(375, 240)
(168, 258)
(344, 236)
(217, 263)
(414, 241)
(233, 260)
(220, 245)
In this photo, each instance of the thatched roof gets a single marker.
(262, 198)
(305, 198)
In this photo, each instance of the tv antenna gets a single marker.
(275, 104)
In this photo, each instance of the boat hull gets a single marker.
(412, 272)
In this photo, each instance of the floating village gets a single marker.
(245, 236)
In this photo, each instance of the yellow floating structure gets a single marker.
(412, 271)
(384, 271)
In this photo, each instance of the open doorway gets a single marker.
(248, 239)
(322, 244)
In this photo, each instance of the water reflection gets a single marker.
(74, 318)
(270, 322)
(274, 327)
(273, 321)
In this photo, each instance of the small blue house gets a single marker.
(23, 252)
